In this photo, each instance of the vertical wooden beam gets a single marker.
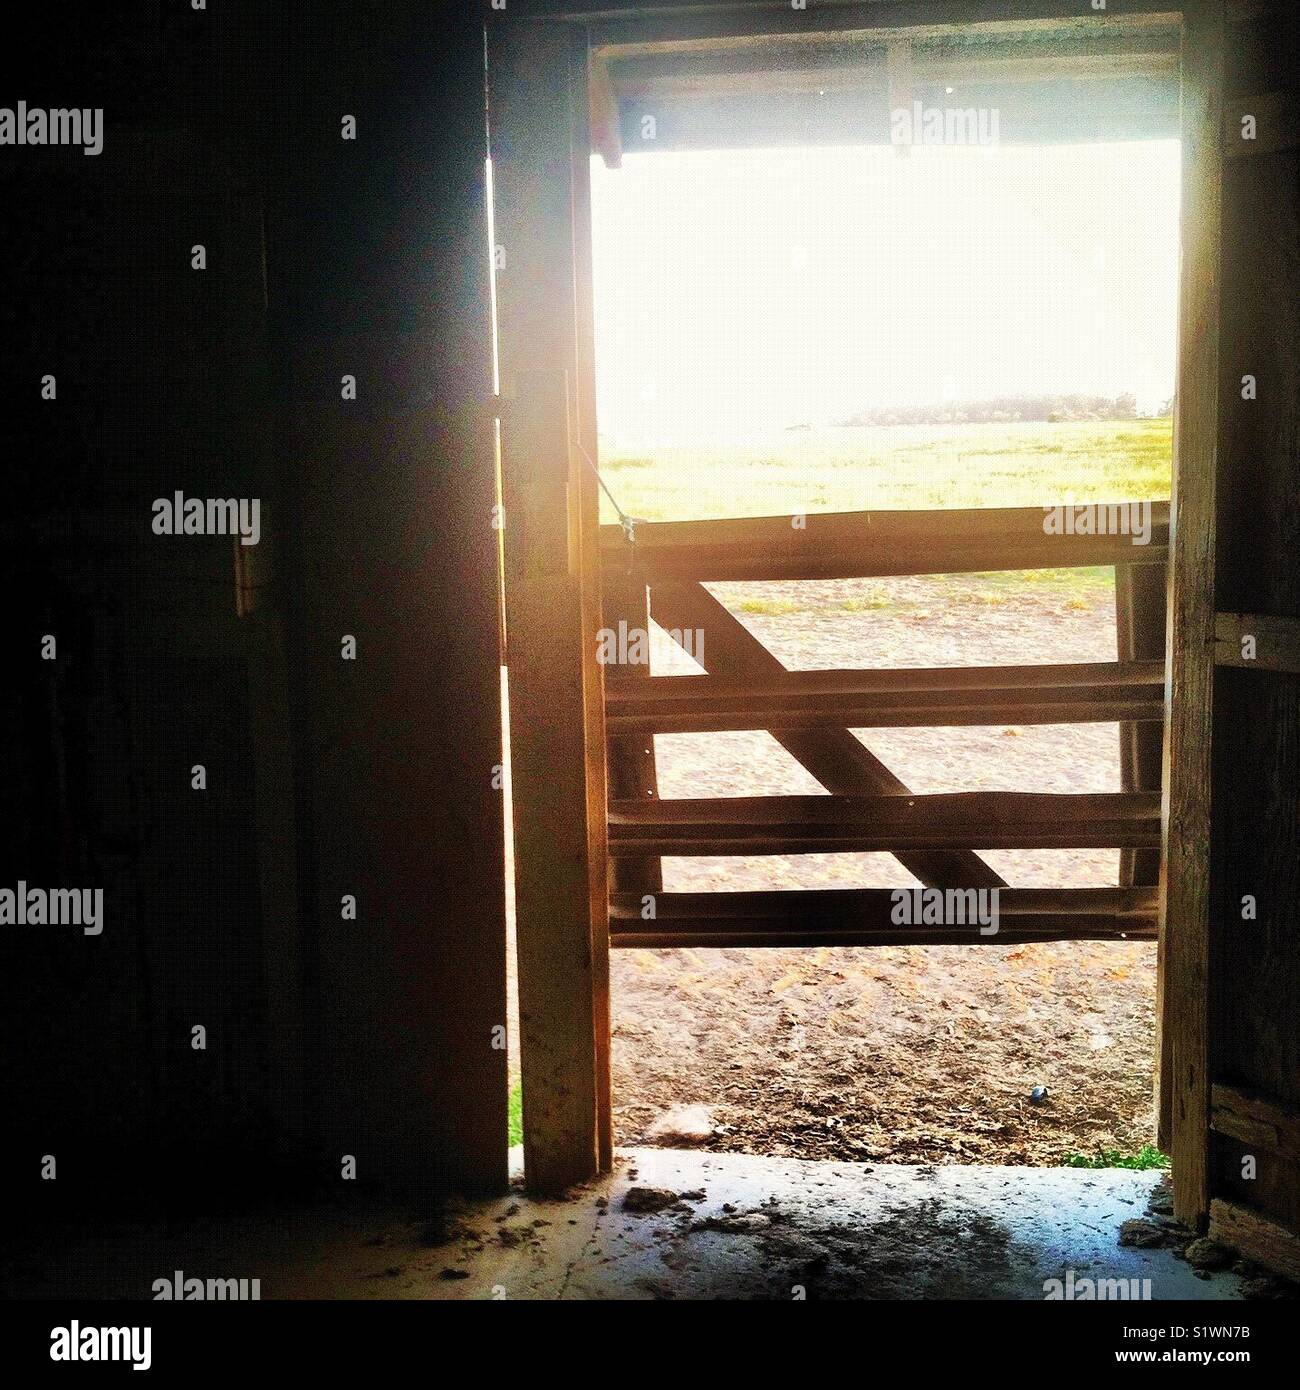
(538, 119)
(632, 773)
(1141, 616)
(1140, 621)
(588, 503)
(558, 849)
(606, 119)
(1185, 888)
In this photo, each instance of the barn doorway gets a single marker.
(700, 87)
(803, 331)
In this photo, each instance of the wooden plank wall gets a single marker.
(1254, 998)
(378, 270)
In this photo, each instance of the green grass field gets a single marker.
(903, 467)
(906, 466)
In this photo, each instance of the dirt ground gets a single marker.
(902, 1054)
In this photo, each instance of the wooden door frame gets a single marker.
(540, 115)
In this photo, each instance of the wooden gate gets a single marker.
(812, 714)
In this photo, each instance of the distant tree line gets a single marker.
(1006, 408)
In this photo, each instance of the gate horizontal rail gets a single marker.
(744, 825)
(866, 545)
(865, 917)
(1097, 692)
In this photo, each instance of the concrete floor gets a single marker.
(736, 1226)
(754, 1227)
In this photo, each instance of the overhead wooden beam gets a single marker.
(1183, 956)
(922, 19)
(745, 825)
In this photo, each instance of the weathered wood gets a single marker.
(714, 27)
(1277, 641)
(587, 507)
(1256, 1237)
(537, 120)
(1141, 614)
(1146, 676)
(631, 759)
(864, 917)
(1253, 1119)
(840, 762)
(555, 848)
(923, 697)
(1184, 943)
(1254, 967)
(606, 125)
(849, 545)
(865, 824)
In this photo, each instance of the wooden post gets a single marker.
(632, 775)
(559, 811)
(1140, 620)
(539, 133)
(1183, 959)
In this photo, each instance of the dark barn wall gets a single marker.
(1255, 965)
(325, 1037)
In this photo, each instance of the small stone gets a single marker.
(682, 1125)
(1161, 1202)
(1142, 1234)
(643, 1201)
(742, 1223)
(1038, 1095)
(1207, 1253)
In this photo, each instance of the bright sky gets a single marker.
(745, 290)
